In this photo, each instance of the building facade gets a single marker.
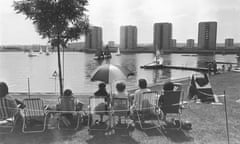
(207, 35)
(229, 43)
(93, 39)
(128, 37)
(190, 43)
(173, 43)
(162, 35)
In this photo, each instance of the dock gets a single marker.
(161, 66)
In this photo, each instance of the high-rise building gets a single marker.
(207, 35)
(162, 35)
(93, 39)
(173, 43)
(229, 43)
(190, 43)
(128, 37)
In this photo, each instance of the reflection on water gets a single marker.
(17, 67)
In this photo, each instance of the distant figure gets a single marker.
(103, 93)
(230, 67)
(223, 67)
(215, 67)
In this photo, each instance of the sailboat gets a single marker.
(118, 52)
(47, 51)
(31, 53)
(107, 53)
(40, 50)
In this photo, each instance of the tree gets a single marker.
(60, 21)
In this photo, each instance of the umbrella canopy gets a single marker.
(109, 73)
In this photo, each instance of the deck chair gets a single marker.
(97, 107)
(34, 116)
(200, 88)
(7, 117)
(171, 105)
(120, 108)
(68, 114)
(147, 109)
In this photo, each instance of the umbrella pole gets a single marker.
(226, 116)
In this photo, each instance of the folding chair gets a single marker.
(147, 109)
(7, 117)
(120, 108)
(97, 106)
(68, 113)
(201, 88)
(34, 115)
(171, 104)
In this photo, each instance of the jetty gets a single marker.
(161, 66)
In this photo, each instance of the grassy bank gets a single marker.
(208, 123)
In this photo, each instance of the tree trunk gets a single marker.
(60, 70)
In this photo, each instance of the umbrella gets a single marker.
(109, 73)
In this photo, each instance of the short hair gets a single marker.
(101, 85)
(67, 92)
(120, 87)
(142, 83)
(168, 86)
(3, 89)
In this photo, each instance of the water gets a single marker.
(17, 67)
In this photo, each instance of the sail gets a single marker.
(158, 58)
(118, 52)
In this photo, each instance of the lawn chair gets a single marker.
(201, 89)
(7, 117)
(120, 108)
(172, 104)
(147, 109)
(34, 115)
(68, 114)
(97, 106)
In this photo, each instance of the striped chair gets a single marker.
(7, 119)
(34, 114)
(147, 109)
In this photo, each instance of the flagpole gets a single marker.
(225, 104)
(28, 88)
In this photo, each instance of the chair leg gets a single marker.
(31, 131)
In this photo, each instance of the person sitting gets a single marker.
(142, 83)
(103, 93)
(120, 93)
(10, 102)
(168, 86)
(68, 103)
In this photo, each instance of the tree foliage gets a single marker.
(57, 20)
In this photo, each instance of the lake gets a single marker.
(18, 67)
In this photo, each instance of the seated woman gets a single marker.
(120, 93)
(102, 92)
(68, 103)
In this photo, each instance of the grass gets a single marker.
(208, 124)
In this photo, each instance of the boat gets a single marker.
(31, 53)
(40, 50)
(107, 53)
(237, 69)
(118, 52)
(47, 51)
(99, 55)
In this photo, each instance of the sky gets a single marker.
(111, 14)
